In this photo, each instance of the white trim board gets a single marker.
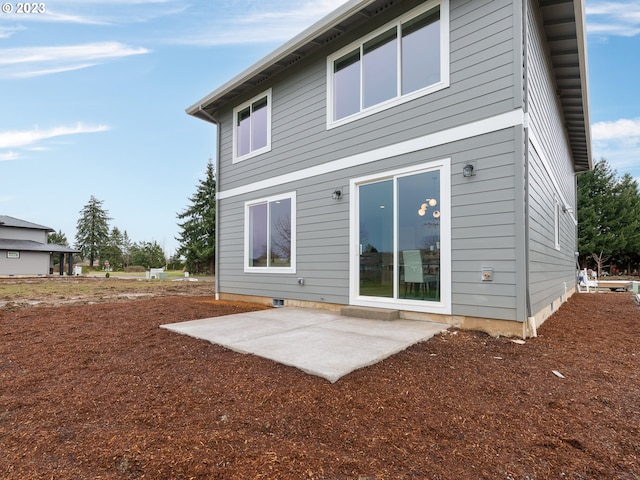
(556, 186)
(462, 132)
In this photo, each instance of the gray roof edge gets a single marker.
(322, 25)
(581, 35)
(18, 223)
(33, 246)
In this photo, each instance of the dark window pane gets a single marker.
(280, 233)
(380, 69)
(243, 132)
(421, 52)
(346, 85)
(376, 239)
(258, 235)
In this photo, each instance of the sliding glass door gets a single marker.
(399, 237)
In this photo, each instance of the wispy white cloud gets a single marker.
(268, 22)
(7, 31)
(10, 155)
(16, 139)
(619, 142)
(36, 61)
(620, 129)
(608, 18)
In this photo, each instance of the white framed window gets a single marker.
(252, 127)
(270, 234)
(401, 61)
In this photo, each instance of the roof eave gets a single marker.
(581, 33)
(341, 13)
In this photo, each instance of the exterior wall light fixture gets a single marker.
(467, 170)
(337, 194)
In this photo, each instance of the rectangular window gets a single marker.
(252, 127)
(556, 223)
(270, 234)
(403, 60)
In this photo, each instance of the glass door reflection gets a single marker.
(376, 239)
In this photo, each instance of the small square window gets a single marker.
(252, 127)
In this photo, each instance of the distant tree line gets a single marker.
(99, 243)
(608, 220)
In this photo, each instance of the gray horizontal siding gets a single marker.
(483, 231)
(482, 77)
(13, 233)
(29, 263)
(551, 270)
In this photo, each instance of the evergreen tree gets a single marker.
(92, 230)
(627, 221)
(609, 216)
(595, 210)
(113, 249)
(198, 230)
(148, 254)
(126, 249)
(58, 238)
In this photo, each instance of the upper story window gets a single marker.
(252, 127)
(403, 60)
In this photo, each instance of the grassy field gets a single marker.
(96, 288)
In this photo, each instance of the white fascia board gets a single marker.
(331, 20)
(581, 37)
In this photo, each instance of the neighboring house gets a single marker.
(24, 249)
(409, 155)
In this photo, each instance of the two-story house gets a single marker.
(24, 249)
(410, 155)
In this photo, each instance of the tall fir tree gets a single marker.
(198, 229)
(92, 230)
(126, 249)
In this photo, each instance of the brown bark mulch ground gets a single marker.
(100, 392)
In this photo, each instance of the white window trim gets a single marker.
(267, 147)
(444, 305)
(556, 222)
(292, 268)
(444, 65)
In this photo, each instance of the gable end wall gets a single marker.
(551, 176)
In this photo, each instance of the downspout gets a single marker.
(216, 291)
(531, 321)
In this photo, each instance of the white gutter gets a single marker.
(308, 35)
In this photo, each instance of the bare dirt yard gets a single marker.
(98, 391)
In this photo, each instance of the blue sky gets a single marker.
(93, 93)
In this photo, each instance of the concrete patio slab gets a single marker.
(317, 342)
